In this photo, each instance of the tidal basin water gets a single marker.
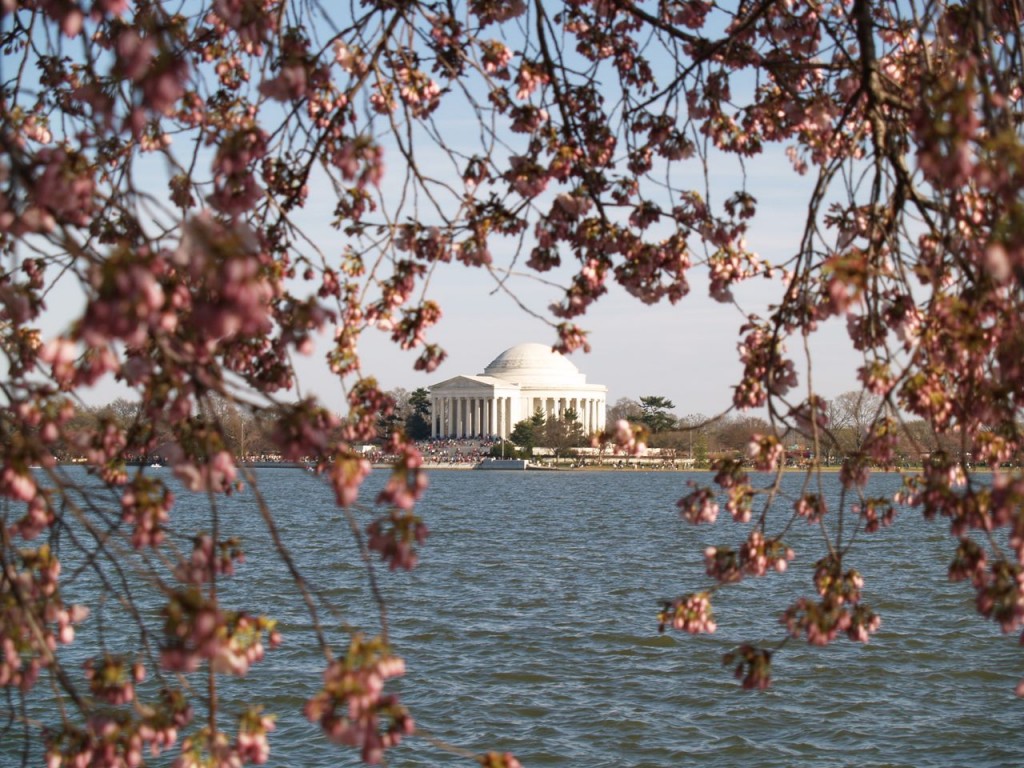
(531, 626)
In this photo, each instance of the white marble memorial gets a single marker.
(518, 382)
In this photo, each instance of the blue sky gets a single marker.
(686, 352)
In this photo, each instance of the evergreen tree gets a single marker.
(654, 413)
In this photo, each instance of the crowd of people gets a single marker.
(456, 452)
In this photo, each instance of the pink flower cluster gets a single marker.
(112, 679)
(420, 94)
(37, 518)
(34, 619)
(346, 473)
(765, 451)
(16, 482)
(495, 57)
(869, 511)
(756, 555)
(431, 357)
(395, 534)
(1000, 591)
(765, 371)
(112, 739)
(208, 561)
(498, 760)
(303, 430)
(408, 481)
(103, 449)
(625, 438)
(733, 478)
(215, 473)
(698, 506)
(129, 303)
(570, 338)
(753, 666)
(722, 564)
(352, 703)
(197, 629)
(61, 193)
(232, 290)
(690, 613)
(937, 491)
(213, 749)
(811, 507)
(146, 504)
(839, 609)
(496, 11)
(251, 743)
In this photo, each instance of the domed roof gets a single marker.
(533, 363)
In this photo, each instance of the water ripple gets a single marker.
(531, 627)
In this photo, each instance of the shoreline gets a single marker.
(435, 466)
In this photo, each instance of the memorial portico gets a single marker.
(518, 383)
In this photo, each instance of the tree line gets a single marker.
(847, 424)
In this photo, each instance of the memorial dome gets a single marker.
(521, 382)
(533, 363)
